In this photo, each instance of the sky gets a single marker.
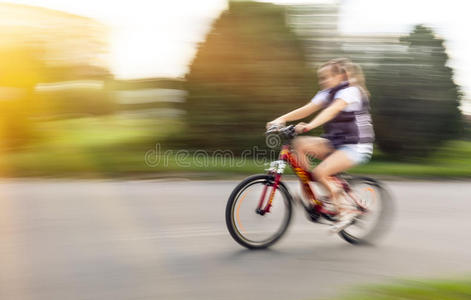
(158, 38)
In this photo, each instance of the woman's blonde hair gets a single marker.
(352, 71)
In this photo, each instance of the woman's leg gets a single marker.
(316, 147)
(335, 163)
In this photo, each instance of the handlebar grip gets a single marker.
(273, 128)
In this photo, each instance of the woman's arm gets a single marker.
(297, 114)
(323, 117)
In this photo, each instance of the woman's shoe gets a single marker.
(345, 219)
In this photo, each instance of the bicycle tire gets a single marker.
(385, 216)
(230, 210)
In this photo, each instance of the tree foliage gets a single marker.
(21, 69)
(415, 100)
(249, 70)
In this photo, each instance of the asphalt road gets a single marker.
(168, 240)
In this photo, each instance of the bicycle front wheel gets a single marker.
(249, 228)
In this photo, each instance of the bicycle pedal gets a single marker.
(330, 218)
(313, 216)
(325, 220)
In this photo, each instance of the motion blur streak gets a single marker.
(99, 98)
(165, 239)
(64, 113)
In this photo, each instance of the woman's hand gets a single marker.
(302, 127)
(278, 122)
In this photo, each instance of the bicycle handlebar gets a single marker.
(286, 131)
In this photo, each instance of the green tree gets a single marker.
(415, 100)
(249, 70)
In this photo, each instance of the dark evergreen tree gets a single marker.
(249, 70)
(415, 100)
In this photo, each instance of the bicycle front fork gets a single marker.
(276, 168)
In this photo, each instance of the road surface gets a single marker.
(167, 240)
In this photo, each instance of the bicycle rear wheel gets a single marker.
(249, 228)
(376, 220)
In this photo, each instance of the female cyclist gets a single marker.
(348, 132)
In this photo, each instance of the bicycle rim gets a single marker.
(257, 230)
(368, 226)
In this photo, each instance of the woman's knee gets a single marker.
(319, 173)
(299, 143)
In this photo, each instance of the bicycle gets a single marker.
(249, 208)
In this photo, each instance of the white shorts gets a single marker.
(358, 153)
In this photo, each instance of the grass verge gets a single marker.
(111, 146)
(415, 290)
